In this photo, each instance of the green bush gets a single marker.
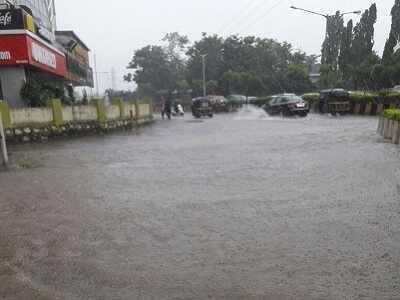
(393, 114)
(383, 97)
(311, 97)
(363, 97)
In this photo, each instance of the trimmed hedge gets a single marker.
(392, 114)
(311, 98)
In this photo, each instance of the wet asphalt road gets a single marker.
(230, 208)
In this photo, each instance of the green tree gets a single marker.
(176, 46)
(394, 36)
(362, 74)
(230, 82)
(331, 45)
(363, 40)
(152, 70)
(212, 47)
(212, 87)
(297, 76)
(345, 58)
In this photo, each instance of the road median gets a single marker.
(389, 125)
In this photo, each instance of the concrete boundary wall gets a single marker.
(27, 116)
(27, 124)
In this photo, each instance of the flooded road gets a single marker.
(237, 207)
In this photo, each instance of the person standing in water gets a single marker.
(162, 107)
(167, 109)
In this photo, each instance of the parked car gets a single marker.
(219, 103)
(334, 101)
(287, 105)
(235, 102)
(202, 107)
(252, 100)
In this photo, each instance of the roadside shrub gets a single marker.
(392, 114)
(311, 98)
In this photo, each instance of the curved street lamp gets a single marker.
(356, 12)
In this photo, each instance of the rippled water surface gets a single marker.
(240, 206)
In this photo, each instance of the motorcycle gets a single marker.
(178, 111)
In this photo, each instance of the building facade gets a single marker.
(44, 14)
(30, 51)
(79, 72)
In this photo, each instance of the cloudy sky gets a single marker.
(114, 29)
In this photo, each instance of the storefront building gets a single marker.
(79, 72)
(28, 45)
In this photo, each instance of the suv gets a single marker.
(334, 101)
(202, 107)
(287, 105)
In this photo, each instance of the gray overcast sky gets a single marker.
(114, 29)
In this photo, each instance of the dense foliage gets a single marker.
(37, 92)
(393, 114)
(258, 66)
(243, 65)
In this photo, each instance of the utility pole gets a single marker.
(113, 80)
(203, 59)
(97, 75)
(3, 143)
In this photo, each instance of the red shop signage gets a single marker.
(22, 49)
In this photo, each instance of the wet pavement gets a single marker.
(236, 207)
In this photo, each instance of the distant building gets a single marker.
(315, 73)
(79, 72)
(30, 46)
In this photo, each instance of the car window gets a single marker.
(284, 100)
(275, 100)
(296, 99)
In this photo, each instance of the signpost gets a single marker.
(3, 143)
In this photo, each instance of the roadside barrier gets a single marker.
(38, 124)
(389, 125)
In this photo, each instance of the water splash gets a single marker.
(251, 112)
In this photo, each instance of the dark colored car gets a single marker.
(287, 105)
(334, 101)
(202, 107)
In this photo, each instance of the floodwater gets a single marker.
(241, 206)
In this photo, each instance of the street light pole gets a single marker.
(356, 12)
(96, 74)
(327, 17)
(203, 59)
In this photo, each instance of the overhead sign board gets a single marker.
(22, 49)
(11, 19)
